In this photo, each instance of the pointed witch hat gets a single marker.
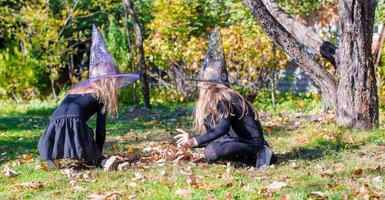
(102, 65)
(214, 68)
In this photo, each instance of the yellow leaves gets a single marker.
(130, 149)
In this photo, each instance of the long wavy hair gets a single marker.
(106, 91)
(218, 101)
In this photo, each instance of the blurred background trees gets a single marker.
(44, 45)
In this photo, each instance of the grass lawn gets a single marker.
(317, 160)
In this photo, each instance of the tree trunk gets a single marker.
(296, 50)
(304, 34)
(130, 48)
(357, 103)
(141, 57)
(357, 91)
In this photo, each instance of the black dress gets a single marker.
(235, 138)
(67, 134)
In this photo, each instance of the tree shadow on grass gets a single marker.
(19, 123)
(12, 147)
(321, 149)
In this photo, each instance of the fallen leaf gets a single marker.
(211, 197)
(8, 172)
(75, 186)
(124, 166)
(205, 186)
(138, 176)
(294, 165)
(130, 150)
(105, 196)
(358, 172)
(276, 186)
(327, 173)
(112, 163)
(286, 197)
(41, 166)
(183, 192)
(70, 173)
(33, 185)
(318, 195)
(228, 196)
(24, 158)
(377, 179)
(192, 180)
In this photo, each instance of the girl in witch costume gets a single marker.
(232, 131)
(67, 134)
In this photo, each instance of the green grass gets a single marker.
(313, 156)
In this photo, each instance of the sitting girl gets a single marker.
(230, 123)
(67, 134)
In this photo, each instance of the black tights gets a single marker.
(232, 149)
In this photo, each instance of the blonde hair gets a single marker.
(218, 101)
(106, 91)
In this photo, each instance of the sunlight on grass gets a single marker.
(314, 156)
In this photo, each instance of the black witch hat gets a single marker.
(102, 65)
(214, 68)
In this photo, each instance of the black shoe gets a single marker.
(273, 160)
(52, 165)
(265, 157)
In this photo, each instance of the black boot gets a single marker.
(265, 157)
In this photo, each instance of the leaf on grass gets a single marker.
(8, 172)
(183, 192)
(112, 163)
(377, 179)
(70, 173)
(358, 172)
(205, 186)
(211, 197)
(130, 149)
(276, 186)
(105, 196)
(32, 185)
(138, 176)
(192, 180)
(318, 195)
(286, 197)
(25, 158)
(41, 166)
(124, 166)
(75, 185)
(327, 173)
(378, 168)
(294, 165)
(228, 196)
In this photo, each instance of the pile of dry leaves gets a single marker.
(156, 153)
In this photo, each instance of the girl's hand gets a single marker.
(185, 139)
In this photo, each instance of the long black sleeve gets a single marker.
(221, 128)
(100, 129)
